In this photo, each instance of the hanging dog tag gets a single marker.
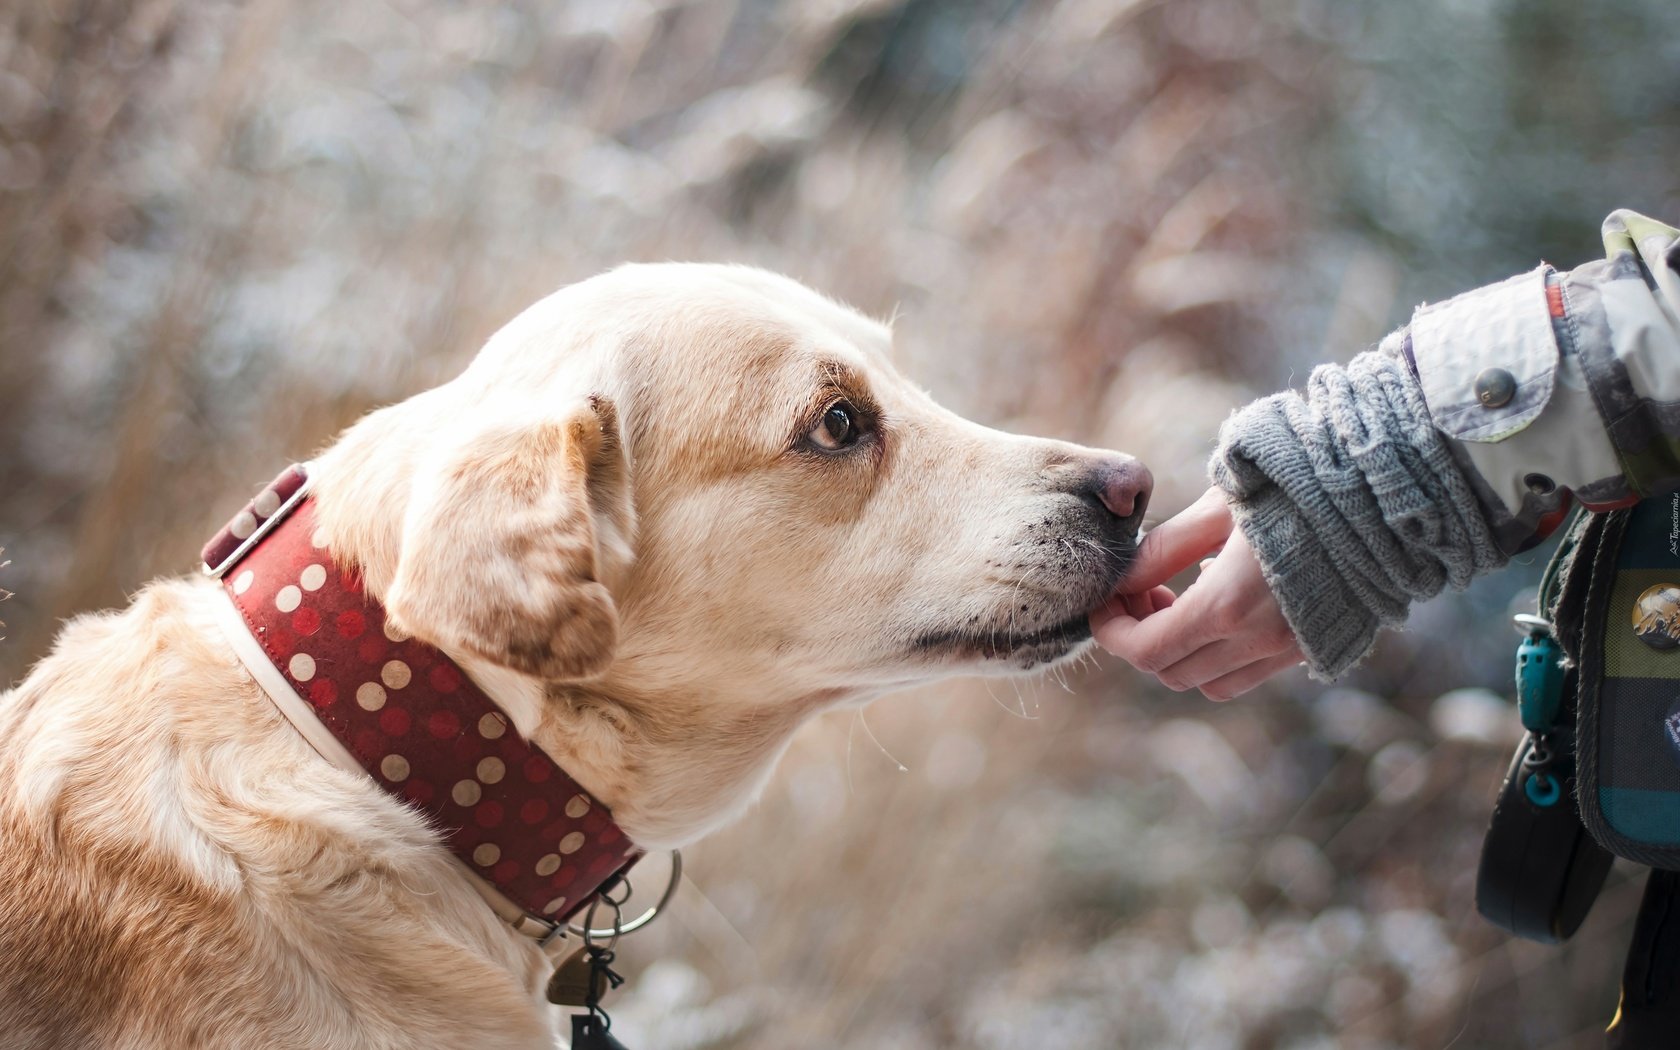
(590, 970)
(574, 980)
(589, 1032)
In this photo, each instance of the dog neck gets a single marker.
(673, 767)
(368, 697)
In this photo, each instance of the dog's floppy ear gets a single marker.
(500, 547)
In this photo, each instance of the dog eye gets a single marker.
(838, 429)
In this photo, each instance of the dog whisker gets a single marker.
(902, 768)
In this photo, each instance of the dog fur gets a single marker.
(617, 521)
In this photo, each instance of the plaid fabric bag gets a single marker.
(1612, 602)
(1618, 615)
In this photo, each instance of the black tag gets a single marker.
(589, 1032)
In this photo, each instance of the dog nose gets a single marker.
(1122, 485)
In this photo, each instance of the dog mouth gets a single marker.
(1052, 625)
(1041, 645)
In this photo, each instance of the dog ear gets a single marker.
(500, 544)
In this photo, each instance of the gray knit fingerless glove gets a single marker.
(1353, 504)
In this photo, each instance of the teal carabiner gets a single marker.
(1539, 677)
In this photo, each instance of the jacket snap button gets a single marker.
(1495, 387)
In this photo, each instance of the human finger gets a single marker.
(1154, 643)
(1179, 542)
(1137, 605)
(1241, 681)
(1221, 657)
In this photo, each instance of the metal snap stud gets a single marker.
(1495, 387)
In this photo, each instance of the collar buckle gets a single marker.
(259, 517)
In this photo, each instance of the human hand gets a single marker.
(1224, 635)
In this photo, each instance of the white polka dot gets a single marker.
(243, 581)
(266, 503)
(302, 666)
(371, 696)
(288, 599)
(487, 854)
(577, 806)
(491, 726)
(548, 864)
(313, 577)
(466, 793)
(395, 633)
(572, 843)
(318, 539)
(243, 524)
(491, 770)
(395, 674)
(554, 905)
(395, 768)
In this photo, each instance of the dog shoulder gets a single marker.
(170, 851)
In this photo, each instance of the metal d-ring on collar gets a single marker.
(639, 921)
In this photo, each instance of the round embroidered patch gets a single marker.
(1656, 616)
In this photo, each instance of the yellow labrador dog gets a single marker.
(665, 517)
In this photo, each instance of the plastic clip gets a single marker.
(1539, 675)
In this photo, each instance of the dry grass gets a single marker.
(232, 228)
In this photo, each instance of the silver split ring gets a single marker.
(645, 917)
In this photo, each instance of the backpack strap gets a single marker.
(1649, 1013)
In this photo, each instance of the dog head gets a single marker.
(677, 482)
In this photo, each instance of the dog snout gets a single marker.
(1121, 485)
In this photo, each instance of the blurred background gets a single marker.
(230, 229)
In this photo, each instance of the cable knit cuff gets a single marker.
(1334, 629)
(1353, 503)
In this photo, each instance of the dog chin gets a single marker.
(994, 648)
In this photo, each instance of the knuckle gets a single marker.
(1150, 660)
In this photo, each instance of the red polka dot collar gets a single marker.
(406, 714)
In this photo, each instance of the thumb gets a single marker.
(1179, 542)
